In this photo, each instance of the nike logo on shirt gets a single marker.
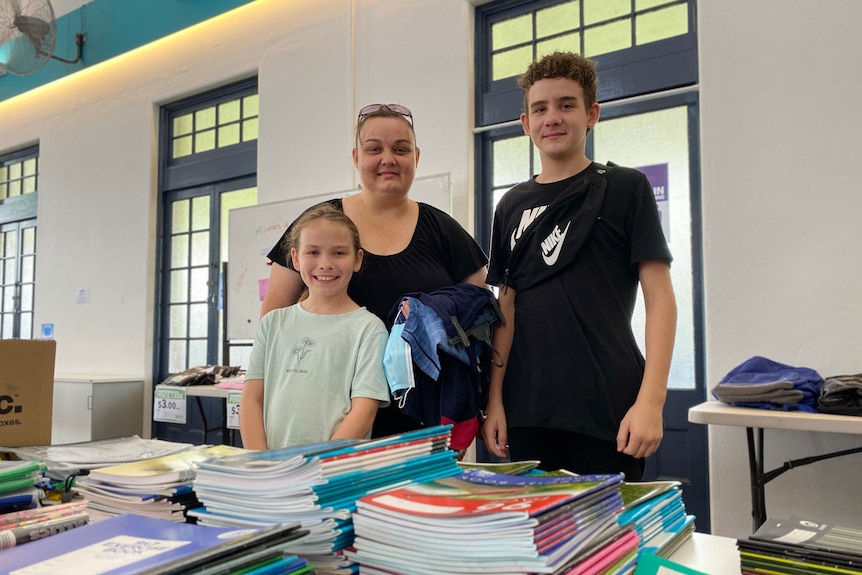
(552, 245)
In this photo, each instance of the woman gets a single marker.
(409, 246)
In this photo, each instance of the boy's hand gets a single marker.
(641, 431)
(494, 431)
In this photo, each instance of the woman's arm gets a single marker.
(285, 287)
(251, 415)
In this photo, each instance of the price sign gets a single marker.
(232, 406)
(169, 404)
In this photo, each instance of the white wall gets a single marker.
(778, 111)
(780, 121)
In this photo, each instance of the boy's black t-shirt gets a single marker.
(574, 362)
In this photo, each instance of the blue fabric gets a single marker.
(425, 332)
(758, 370)
(448, 376)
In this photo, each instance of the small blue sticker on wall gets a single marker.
(47, 331)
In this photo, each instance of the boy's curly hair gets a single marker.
(562, 65)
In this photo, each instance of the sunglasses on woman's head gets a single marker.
(397, 108)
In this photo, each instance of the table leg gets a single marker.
(755, 468)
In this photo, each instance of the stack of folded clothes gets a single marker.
(763, 383)
(841, 394)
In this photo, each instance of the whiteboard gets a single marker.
(254, 230)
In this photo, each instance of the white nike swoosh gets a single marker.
(551, 258)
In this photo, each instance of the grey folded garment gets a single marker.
(781, 397)
(780, 392)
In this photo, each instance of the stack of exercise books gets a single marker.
(484, 522)
(159, 487)
(656, 511)
(317, 486)
(134, 544)
(19, 485)
(801, 545)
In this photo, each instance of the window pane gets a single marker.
(15, 171)
(26, 325)
(205, 119)
(28, 185)
(559, 18)
(197, 353)
(7, 326)
(661, 24)
(4, 191)
(28, 236)
(198, 320)
(8, 297)
(249, 130)
(204, 141)
(200, 248)
(179, 286)
(177, 356)
(511, 161)
(602, 10)
(183, 125)
(200, 289)
(567, 43)
(26, 297)
(182, 147)
(511, 62)
(200, 213)
(644, 4)
(510, 32)
(228, 112)
(28, 269)
(180, 216)
(249, 106)
(228, 135)
(229, 201)
(30, 167)
(11, 245)
(15, 188)
(179, 321)
(607, 38)
(180, 251)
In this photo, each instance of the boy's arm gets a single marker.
(494, 430)
(641, 429)
(251, 415)
(283, 290)
(358, 421)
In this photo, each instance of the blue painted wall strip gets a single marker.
(114, 27)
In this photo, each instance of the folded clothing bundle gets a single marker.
(841, 394)
(764, 383)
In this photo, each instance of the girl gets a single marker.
(316, 368)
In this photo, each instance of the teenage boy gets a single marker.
(568, 250)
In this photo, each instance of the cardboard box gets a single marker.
(26, 391)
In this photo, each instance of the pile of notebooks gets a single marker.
(134, 544)
(317, 486)
(656, 511)
(799, 545)
(19, 485)
(485, 522)
(159, 487)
